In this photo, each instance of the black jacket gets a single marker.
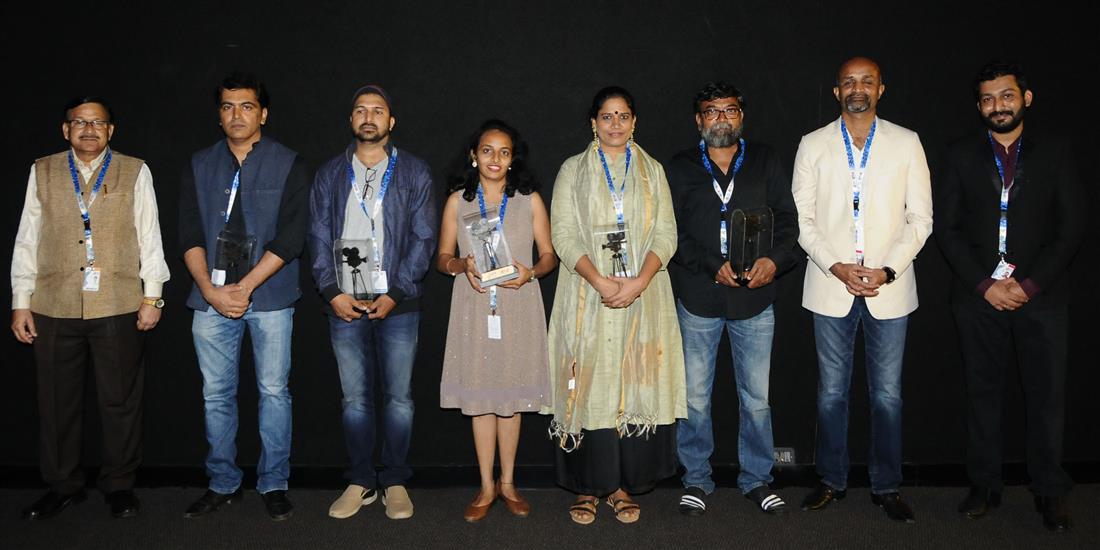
(1046, 216)
(761, 182)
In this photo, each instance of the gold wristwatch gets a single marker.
(155, 302)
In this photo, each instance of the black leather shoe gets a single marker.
(1055, 512)
(896, 508)
(123, 504)
(52, 504)
(821, 496)
(278, 506)
(978, 501)
(211, 501)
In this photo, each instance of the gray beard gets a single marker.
(721, 135)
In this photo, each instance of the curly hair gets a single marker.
(465, 177)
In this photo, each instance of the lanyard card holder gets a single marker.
(614, 257)
(750, 239)
(233, 256)
(358, 274)
(490, 249)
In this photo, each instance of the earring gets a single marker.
(595, 139)
(509, 168)
(474, 164)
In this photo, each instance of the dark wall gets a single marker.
(535, 64)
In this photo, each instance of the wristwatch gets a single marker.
(890, 274)
(155, 302)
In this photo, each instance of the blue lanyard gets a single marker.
(500, 227)
(89, 252)
(728, 193)
(857, 180)
(1002, 225)
(377, 202)
(233, 194)
(616, 199)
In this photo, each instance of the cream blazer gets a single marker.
(896, 204)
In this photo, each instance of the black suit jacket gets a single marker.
(760, 182)
(1046, 216)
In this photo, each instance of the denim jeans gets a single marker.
(884, 347)
(218, 347)
(366, 349)
(751, 348)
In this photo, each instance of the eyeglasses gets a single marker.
(732, 112)
(81, 124)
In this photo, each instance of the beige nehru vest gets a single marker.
(61, 253)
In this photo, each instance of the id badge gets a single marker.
(1003, 270)
(91, 279)
(217, 277)
(494, 327)
(723, 237)
(378, 282)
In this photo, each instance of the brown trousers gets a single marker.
(64, 350)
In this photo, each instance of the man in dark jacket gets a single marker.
(1010, 220)
(372, 236)
(242, 225)
(719, 188)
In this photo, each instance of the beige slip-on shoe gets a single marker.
(398, 504)
(354, 497)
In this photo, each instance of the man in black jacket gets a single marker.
(719, 187)
(1010, 219)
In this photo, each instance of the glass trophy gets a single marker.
(614, 259)
(356, 272)
(233, 255)
(750, 239)
(490, 249)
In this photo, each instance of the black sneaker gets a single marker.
(278, 506)
(768, 501)
(211, 501)
(693, 502)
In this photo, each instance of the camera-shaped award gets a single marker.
(750, 239)
(233, 254)
(490, 249)
(356, 268)
(613, 257)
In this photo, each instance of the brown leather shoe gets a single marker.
(474, 512)
(518, 507)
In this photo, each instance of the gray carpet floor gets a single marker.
(731, 522)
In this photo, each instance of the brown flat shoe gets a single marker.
(583, 511)
(518, 507)
(474, 512)
(626, 510)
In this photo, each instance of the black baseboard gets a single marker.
(456, 475)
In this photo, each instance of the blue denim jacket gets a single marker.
(411, 223)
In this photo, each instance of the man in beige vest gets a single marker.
(86, 277)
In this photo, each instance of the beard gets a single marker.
(369, 133)
(857, 103)
(1014, 121)
(721, 135)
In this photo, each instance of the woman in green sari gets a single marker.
(616, 360)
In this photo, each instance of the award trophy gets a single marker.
(490, 249)
(233, 255)
(354, 260)
(750, 239)
(614, 253)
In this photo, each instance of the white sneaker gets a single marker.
(354, 497)
(398, 504)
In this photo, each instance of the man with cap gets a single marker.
(372, 211)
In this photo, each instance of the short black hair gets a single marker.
(607, 93)
(718, 90)
(238, 80)
(80, 100)
(996, 69)
(519, 178)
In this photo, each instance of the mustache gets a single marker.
(998, 113)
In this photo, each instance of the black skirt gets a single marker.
(605, 462)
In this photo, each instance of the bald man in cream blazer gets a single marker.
(869, 281)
